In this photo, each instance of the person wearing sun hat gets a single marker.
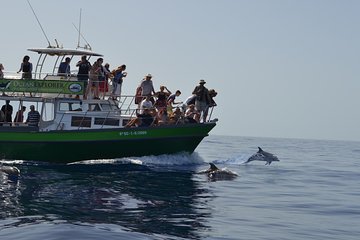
(147, 87)
(202, 100)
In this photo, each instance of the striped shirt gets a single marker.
(33, 118)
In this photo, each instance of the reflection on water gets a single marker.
(128, 195)
(9, 196)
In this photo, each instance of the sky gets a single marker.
(282, 68)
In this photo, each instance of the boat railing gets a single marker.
(66, 77)
(127, 104)
(129, 108)
(104, 87)
(43, 76)
(106, 116)
(12, 75)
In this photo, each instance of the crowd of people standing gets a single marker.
(158, 108)
(161, 105)
(6, 112)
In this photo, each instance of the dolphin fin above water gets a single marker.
(213, 167)
(214, 173)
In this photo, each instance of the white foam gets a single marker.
(180, 159)
(11, 162)
(236, 160)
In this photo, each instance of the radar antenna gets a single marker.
(42, 29)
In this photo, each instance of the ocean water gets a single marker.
(312, 193)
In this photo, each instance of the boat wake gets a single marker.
(236, 160)
(179, 159)
(167, 162)
(11, 162)
(117, 161)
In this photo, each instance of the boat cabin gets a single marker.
(59, 98)
(69, 113)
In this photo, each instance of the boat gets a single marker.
(72, 128)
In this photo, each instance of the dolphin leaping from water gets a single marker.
(261, 155)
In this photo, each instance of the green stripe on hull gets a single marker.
(66, 146)
(107, 134)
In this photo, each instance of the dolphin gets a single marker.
(214, 173)
(212, 168)
(11, 171)
(261, 155)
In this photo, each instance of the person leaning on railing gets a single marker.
(26, 68)
(119, 75)
(83, 73)
(64, 68)
(202, 100)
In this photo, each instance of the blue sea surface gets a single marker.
(312, 193)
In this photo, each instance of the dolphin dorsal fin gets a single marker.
(260, 150)
(213, 167)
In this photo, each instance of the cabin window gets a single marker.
(81, 121)
(70, 106)
(107, 121)
(48, 111)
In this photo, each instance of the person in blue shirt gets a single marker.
(119, 75)
(64, 68)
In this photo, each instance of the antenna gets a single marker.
(78, 45)
(42, 29)
(87, 46)
(57, 44)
